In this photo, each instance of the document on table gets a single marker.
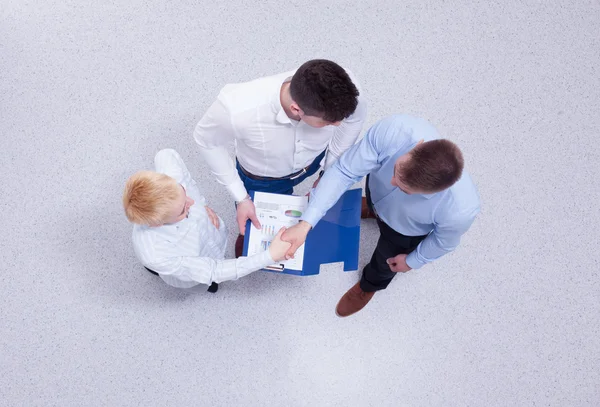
(275, 211)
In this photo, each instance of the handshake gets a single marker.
(285, 243)
(288, 240)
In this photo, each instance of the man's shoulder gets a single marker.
(462, 198)
(242, 96)
(399, 133)
(410, 125)
(144, 243)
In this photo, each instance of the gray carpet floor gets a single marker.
(89, 91)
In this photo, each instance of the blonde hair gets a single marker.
(148, 197)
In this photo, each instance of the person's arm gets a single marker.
(169, 162)
(214, 131)
(346, 133)
(207, 270)
(212, 134)
(354, 164)
(444, 238)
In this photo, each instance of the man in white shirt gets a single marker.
(283, 126)
(177, 236)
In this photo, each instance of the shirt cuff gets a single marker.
(268, 257)
(237, 190)
(312, 216)
(263, 259)
(247, 265)
(201, 201)
(329, 160)
(413, 262)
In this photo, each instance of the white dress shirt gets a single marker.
(190, 251)
(267, 142)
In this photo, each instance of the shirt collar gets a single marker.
(174, 231)
(281, 116)
(426, 196)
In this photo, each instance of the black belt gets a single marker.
(290, 177)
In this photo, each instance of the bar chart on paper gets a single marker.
(264, 244)
(275, 212)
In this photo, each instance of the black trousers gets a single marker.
(377, 274)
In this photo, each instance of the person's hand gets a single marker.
(278, 247)
(398, 264)
(212, 216)
(296, 235)
(245, 211)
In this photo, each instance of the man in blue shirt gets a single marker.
(417, 189)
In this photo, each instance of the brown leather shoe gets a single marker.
(239, 246)
(353, 301)
(365, 212)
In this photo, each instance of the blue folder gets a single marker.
(334, 239)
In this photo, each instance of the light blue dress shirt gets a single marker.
(443, 216)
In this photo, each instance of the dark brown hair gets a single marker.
(432, 166)
(323, 89)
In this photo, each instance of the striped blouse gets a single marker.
(190, 251)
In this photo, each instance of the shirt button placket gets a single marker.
(297, 148)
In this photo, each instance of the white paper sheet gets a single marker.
(274, 212)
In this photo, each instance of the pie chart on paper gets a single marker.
(293, 213)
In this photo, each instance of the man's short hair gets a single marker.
(323, 89)
(432, 166)
(149, 196)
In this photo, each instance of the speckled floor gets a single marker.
(89, 91)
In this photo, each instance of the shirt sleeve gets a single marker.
(444, 238)
(213, 133)
(346, 133)
(206, 270)
(357, 162)
(169, 162)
